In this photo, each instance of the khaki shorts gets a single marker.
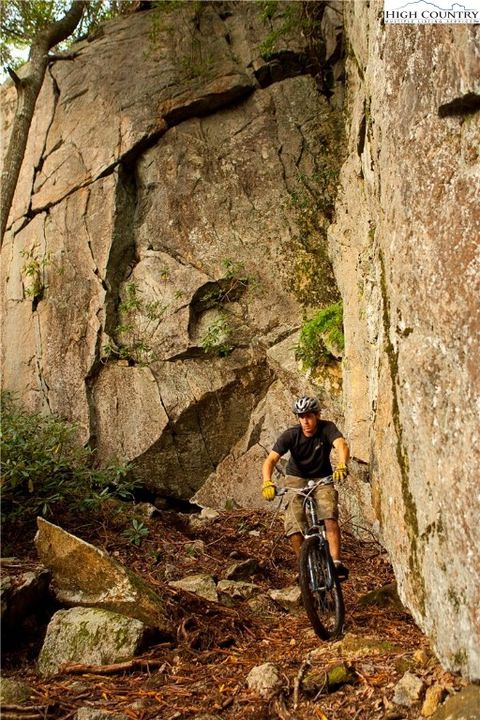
(327, 504)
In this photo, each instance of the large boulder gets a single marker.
(89, 636)
(84, 575)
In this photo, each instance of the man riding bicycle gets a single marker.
(310, 443)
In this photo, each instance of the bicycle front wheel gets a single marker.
(323, 601)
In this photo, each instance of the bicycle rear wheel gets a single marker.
(324, 605)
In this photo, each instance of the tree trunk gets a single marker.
(28, 89)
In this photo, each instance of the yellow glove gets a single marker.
(269, 490)
(340, 472)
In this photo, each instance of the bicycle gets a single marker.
(321, 590)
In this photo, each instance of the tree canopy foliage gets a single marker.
(21, 20)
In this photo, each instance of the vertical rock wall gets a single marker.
(145, 262)
(406, 257)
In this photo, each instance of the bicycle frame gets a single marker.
(316, 526)
(321, 592)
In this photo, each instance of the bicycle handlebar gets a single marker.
(309, 488)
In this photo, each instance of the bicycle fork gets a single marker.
(320, 581)
(318, 530)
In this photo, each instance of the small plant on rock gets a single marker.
(134, 337)
(321, 338)
(33, 272)
(137, 532)
(217, 339)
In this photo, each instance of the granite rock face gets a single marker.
(406, 257)
(154, 208)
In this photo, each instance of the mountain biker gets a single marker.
(310, 443)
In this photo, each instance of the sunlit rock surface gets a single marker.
(156, 203)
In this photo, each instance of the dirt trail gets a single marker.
(204, 670)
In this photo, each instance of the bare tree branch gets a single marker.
(14, 77)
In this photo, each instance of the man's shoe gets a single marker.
(341, 571)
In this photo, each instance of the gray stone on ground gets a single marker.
(13, 692)
(241, 570)
(92, 713)
(262, 606)
(289, 598)
(265, 680)
(231, 590)
(90, 636)
(464, 705)
(86, 576)
(197, 522)
(196, 547)
(146, 510)
(354, 646)
(209, 513)
(200, 584)
(408, 690)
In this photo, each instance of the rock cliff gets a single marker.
(147, 261)
(148, 265)
(406, 258)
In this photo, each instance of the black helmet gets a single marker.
(306, 405)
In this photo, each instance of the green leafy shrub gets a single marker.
(137, 532)
(321, 337)
(44, 470)
(217, 339)
(139, 320)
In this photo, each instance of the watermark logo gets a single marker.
(443, 12)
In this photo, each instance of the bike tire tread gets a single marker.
(324, 633)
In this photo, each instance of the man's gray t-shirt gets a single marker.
(309, 456)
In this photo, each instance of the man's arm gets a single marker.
(343, 453)
(269, 466)
(268, 486)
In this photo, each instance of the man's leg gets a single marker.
(294, 514)
(333, 537)
(332, 529)
(296, 541)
